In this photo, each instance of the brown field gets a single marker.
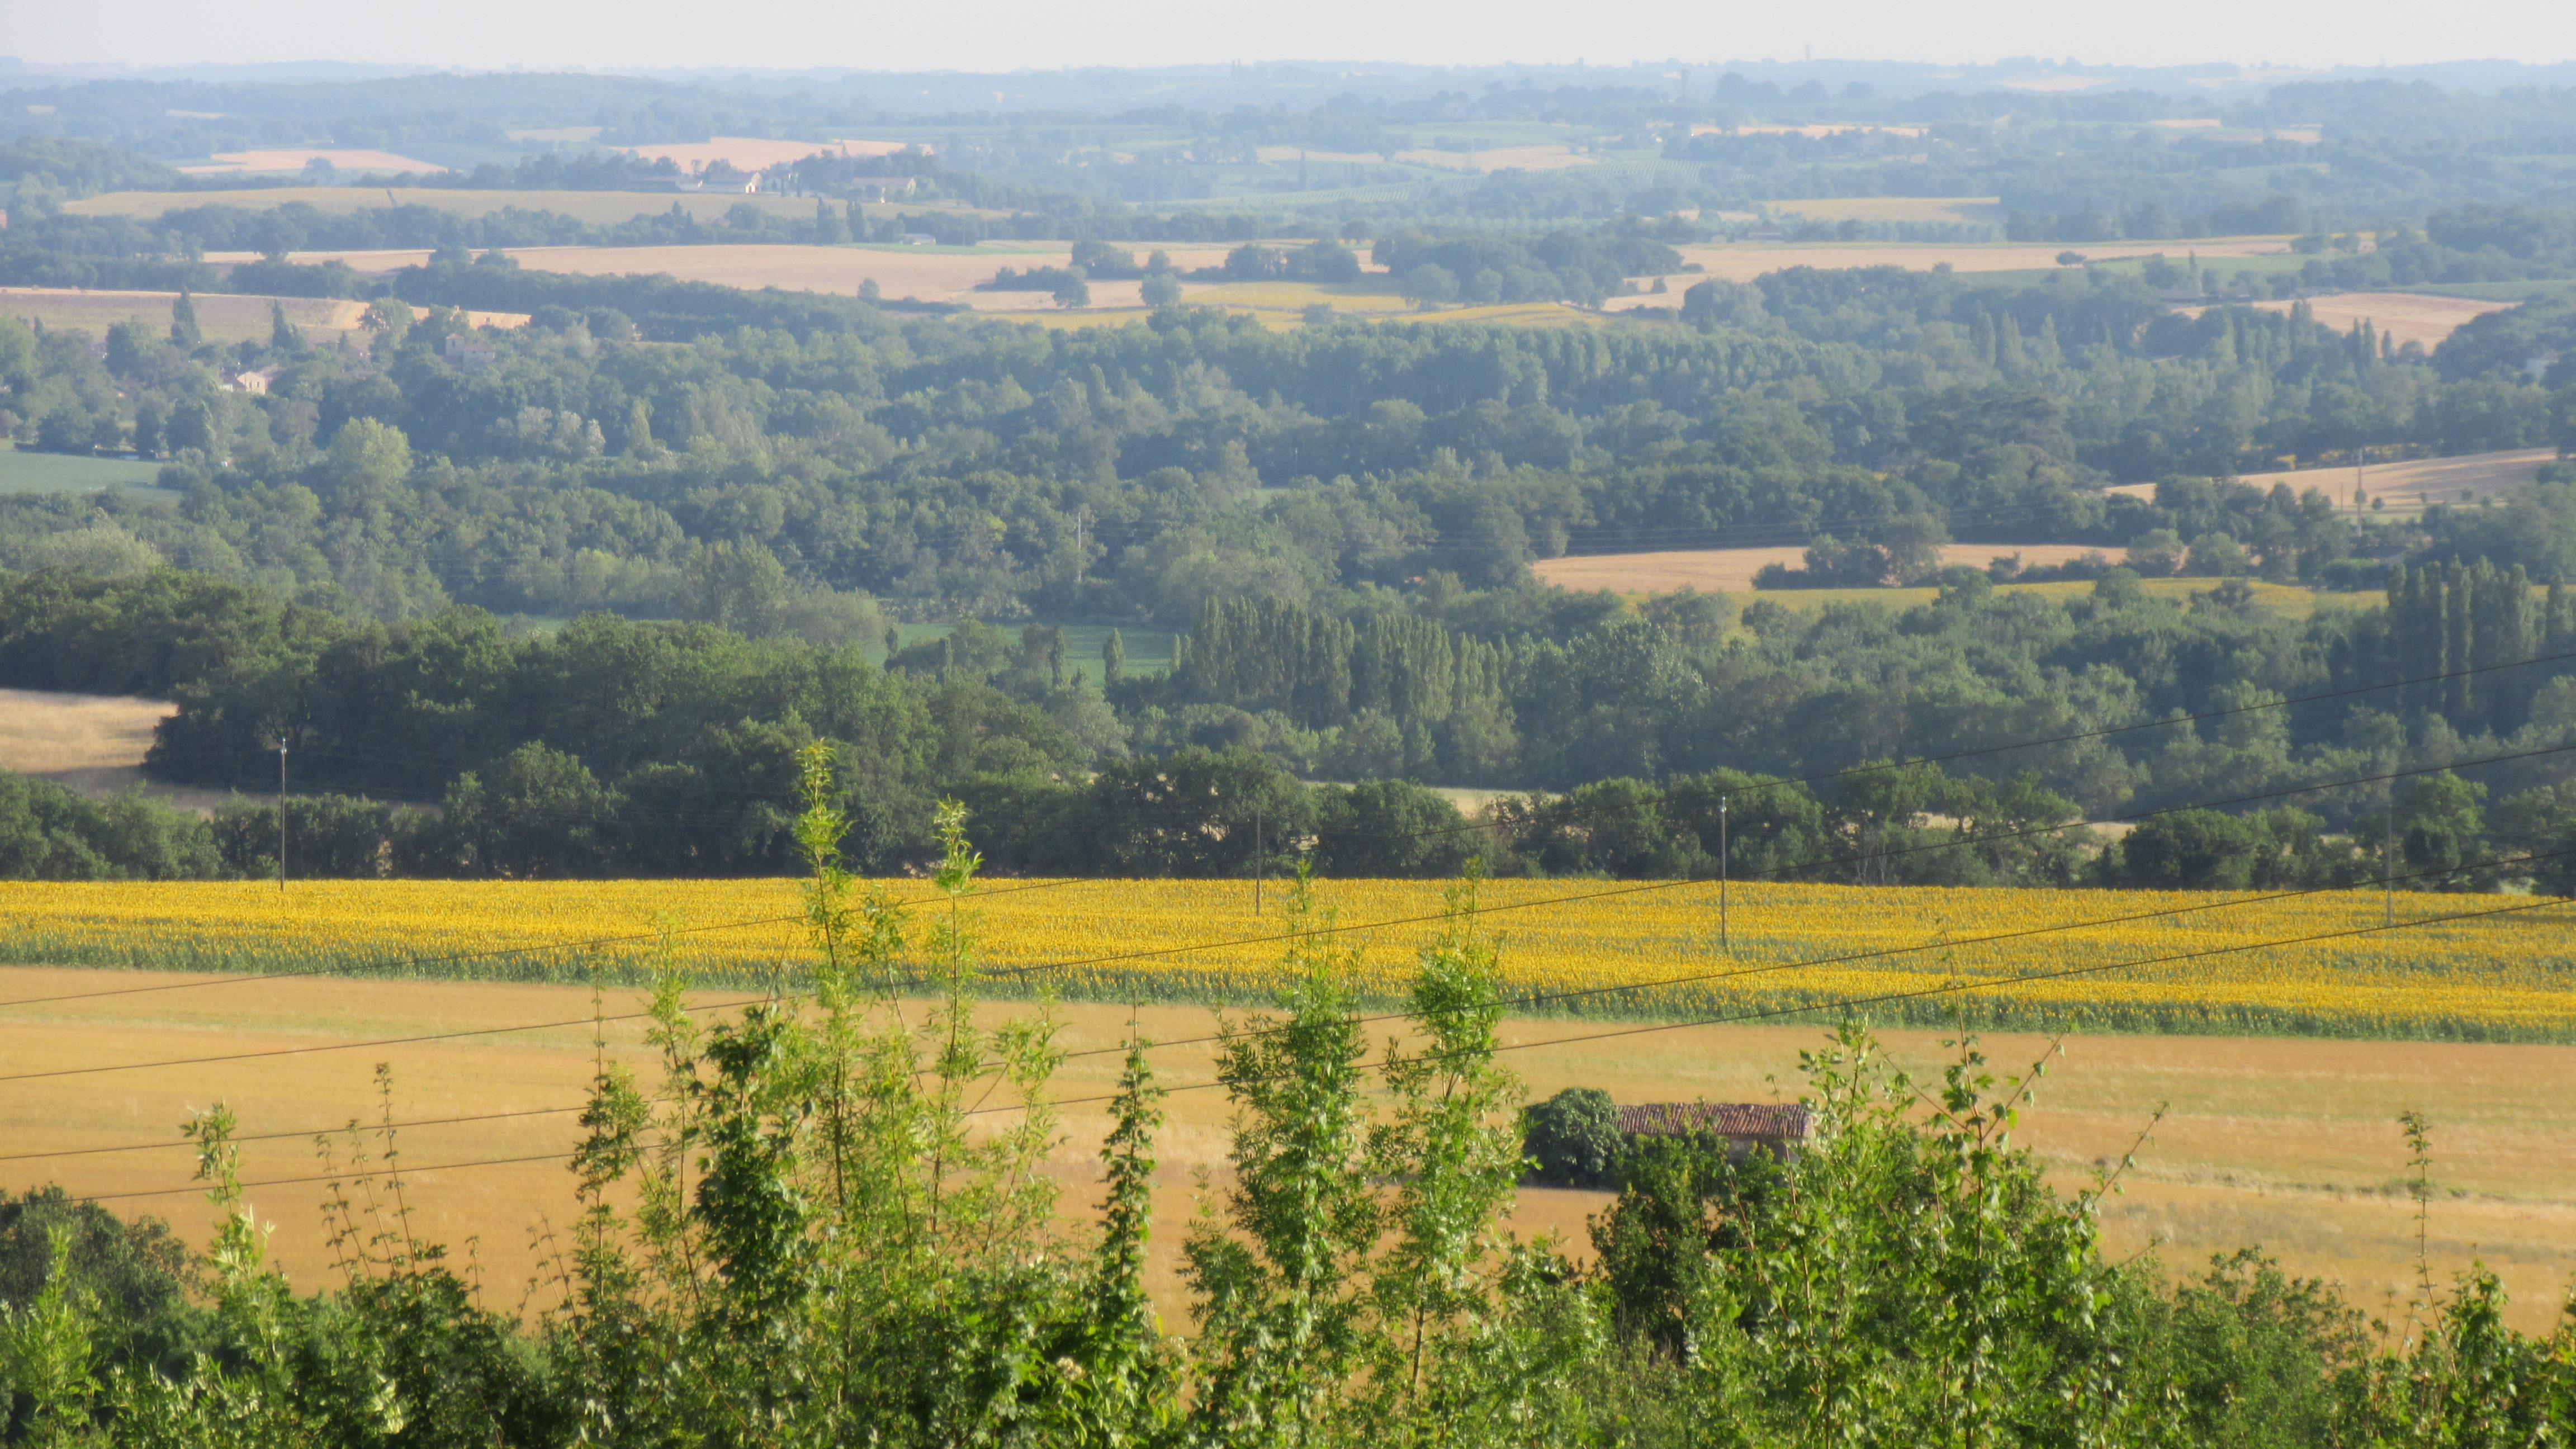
(1980, 210)
(221, 316)
(929, 274)
(754, 153)
(1743, 261)
(599, 208)
(1731, 570)
(2406, 316)
(2287, 1143)
(92, 743)
(229, 163)
(2408, 486)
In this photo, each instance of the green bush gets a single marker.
(1572, 1139)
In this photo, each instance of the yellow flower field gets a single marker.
(1794, 947)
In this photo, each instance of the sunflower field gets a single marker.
(2342, 963)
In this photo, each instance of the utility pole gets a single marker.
(1260, 862)
(1725, 937)
(281, 812)
(2388, 858)
(1081, 522)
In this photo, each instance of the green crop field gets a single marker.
(26, 471)
(600, 208)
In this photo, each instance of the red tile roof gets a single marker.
(1765, 1121)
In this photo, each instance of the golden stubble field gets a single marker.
(2406, 316)
(221, 316)
(2288, 1143)
(600, 208)
(1743, 261)
(2407, 486)
(92, 743)
(929, 274)
(1731, 570)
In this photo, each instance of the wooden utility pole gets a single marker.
(1260, 862)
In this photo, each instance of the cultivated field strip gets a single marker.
(2503, 979)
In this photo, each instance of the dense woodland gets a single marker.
(372, 561)
(568, 598)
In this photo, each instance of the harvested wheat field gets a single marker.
(600, 208)
(2291, 1144)
(221, 316)
(2405, 316)
(245, 163)
(757, 153)
(1731, 570)
(2407, 486)
(93, 743)
(929, 274)
(1743, 261)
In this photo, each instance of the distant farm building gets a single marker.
(1781, 1128)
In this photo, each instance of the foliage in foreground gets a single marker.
(827, 1221)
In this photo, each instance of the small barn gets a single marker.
(1779, 1127)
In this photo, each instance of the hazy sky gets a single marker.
(1015, 34)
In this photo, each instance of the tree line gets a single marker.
(615, 746)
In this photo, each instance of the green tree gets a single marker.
(184, 333)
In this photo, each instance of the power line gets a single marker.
(1945, 988)
(1138, 954)
(1645, 887)
(416, 961)
(1731, 1018)
(715, 816)
(2064, 928)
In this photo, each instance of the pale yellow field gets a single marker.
(2286, 1143)
(229, 163)
(755, 153)
(1976, 210)
(221, 316)
(929, 274)
(1743, 261)
(2408, 485)
(92, 743)
(600, 208)
(1731, 570)
(2406, 316)
(1796, 947)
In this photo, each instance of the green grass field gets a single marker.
(600, 208)
(33, 472)
(1149, 650)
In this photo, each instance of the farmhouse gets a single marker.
(1778, 1127)
(469, 356)
(254, 382)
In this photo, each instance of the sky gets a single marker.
(988, 35)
